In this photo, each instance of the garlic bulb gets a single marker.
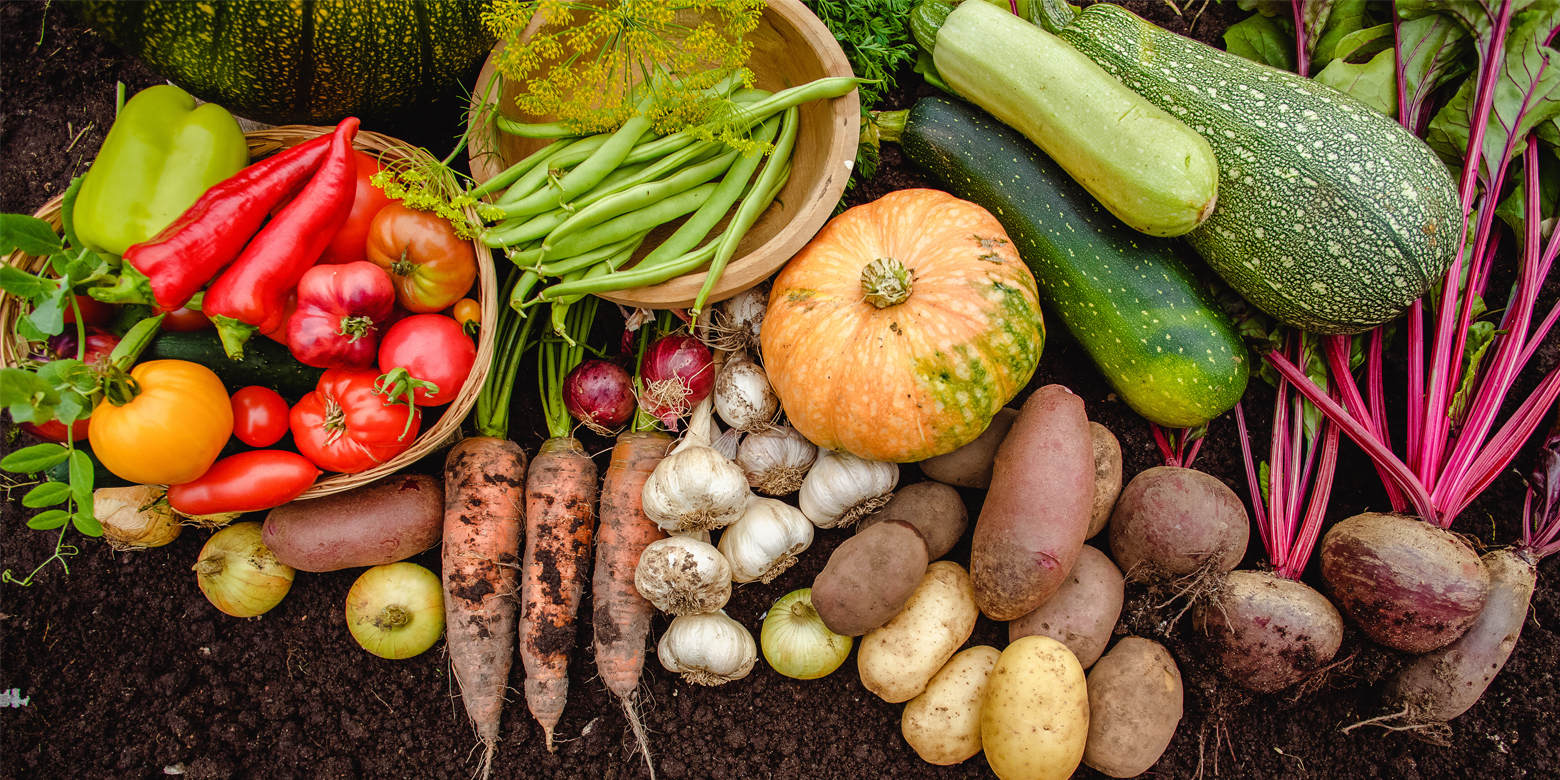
(683, 576)
(743, 397)
(776, 460)
(728, 443)
(708, 649)
(766, 541)
(842, 488)
(695, 488)
(135, 517)
(737, 322)
(703, 536)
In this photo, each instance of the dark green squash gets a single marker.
(305, 61)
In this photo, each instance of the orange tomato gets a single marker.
(431, 266)
(468, 313)
(169, 433)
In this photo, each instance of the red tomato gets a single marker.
(351, 242)
(433, 348)
(431, 266)
(259, 416)
(246, 482)
(54, 430)
(93, 311)
(345, 426)
(340, 309)
(288, 310)
(185, 320)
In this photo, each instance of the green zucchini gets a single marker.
(266, 363)
(1149, 325)
(1144, 165)
(1331, 216)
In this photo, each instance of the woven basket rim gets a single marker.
(268, 141)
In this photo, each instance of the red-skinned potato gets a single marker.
(1032, 526)
(935, 509)
(869, 578)
(1172, 521)
(1083, 613)
(385, 521)
(1135, 700)
(970, 465)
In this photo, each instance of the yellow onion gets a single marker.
(212, 522)
(796, 643)
(239, 574)
(135, 517)
(396, 610)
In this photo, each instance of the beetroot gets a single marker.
(1410, 585)
(1172, 521)
(1267, 632)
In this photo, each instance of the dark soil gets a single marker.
(128, 671)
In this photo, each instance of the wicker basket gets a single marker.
(270, 141)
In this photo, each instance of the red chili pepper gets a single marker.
(167, 270)
(251, 295)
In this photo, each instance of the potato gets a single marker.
(385, 521)
(933, 508)
(1035, 720)
(869, 577)
(1031, 528)
(1134, 706)
(897, 660)
(943, 723)
(1083, 613)
(1172, 521)
(1107, 478)
(970, 465)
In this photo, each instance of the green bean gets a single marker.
(701, 223)
(511, 174)
(751, 207)
(593, 257)
(593, 169)
(621, 227)
(546, 158)
(638, 197)
(520, 230)
(601, 269)
(534, 129)
(523, 285)
(544, 194)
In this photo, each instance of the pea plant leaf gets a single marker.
(31, 460)
(87, 524)
(81, 483)
(50, 520)
(29, 234)
(25, 285)
(46, 494)
(27, 397)
(1366, 68)
(48, 314)
(1261, 39)
(1432, 49)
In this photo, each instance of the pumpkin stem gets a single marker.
(886, 282)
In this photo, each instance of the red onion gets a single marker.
(599, 394)
(678, 372)
(63, 346)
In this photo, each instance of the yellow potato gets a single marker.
(897, 659)
(1035, 719)
(943, 723)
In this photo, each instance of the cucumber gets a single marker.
(1144, 165)
(1152, 329)
(266, 363)
(1331, 216)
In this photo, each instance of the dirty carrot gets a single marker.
(560, 508)
(484, 492)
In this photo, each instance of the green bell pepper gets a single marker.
(161, 154)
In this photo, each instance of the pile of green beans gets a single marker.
(573, 214)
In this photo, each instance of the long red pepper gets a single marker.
(251, 295)
(167, 270)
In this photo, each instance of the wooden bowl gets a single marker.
(262, 143)
(790, 47)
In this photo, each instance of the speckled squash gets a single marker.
(1331, 216)
(304, 61)
(1148, 324)
(900, 330)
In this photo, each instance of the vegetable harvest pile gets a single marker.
(901, 490)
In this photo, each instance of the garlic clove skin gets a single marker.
(776, 460)
(743, 396)
(737, 322)
(135, 517)
(766, 541)
(707, 649)
(680, 575)
(842, 488)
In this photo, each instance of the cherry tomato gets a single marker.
(93, 311)
(169, 433)
(431, 266)
(259, 416)
(185, 320)
(246, 482)
(351, 242)
(468, 313)
(345, 426)
(433, 348)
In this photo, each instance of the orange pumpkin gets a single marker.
(902, 328)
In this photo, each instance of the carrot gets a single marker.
(484, 491)
(621, 616)
(560, 509)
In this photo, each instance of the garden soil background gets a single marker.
(128, 672)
